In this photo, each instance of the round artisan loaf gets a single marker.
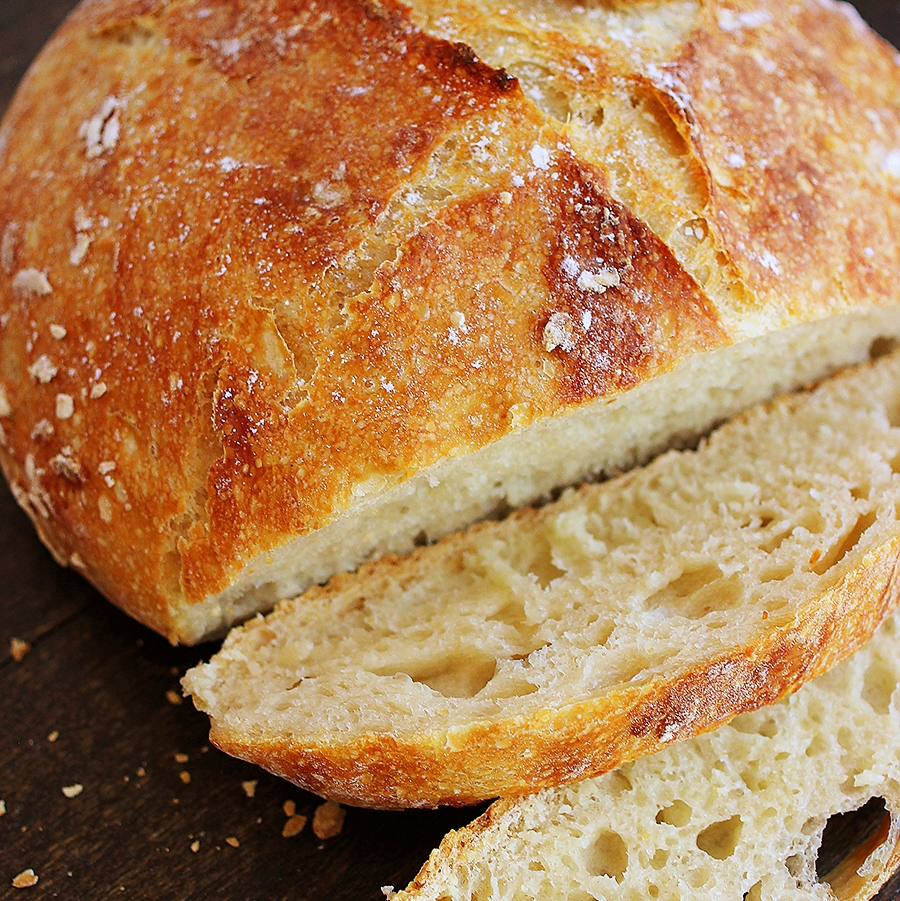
(285, 286)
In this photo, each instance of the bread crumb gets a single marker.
(105, 509)
(53, 736)
(294, 826)
(65, 406)
(98, 390)
(231, 840)
(195, 846)
(2, 808)
(388, 891)
(250, 787)
(106, 467)
(79, 251)
(72, 791)
(18, 649)
(5, 408)
(140, 771)
(181, 758)
(63, 464)
(540, 157)
(58, 331)
(289, 808)
(25, 879)
(43, 428)
(31, 283)
(76, 562)
(185, 777)
(328, 820)
(599, 281)
(173, 697)
(42, 369)
(558, 332)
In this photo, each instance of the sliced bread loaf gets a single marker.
(556, 644)
(285, 286)
(735, 815)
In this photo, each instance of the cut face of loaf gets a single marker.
(384, 268)
(556, 644)
(735, 815)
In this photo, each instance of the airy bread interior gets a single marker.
(781, 524)
(736, 814)
(601, 438)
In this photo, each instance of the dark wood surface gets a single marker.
(91, 704)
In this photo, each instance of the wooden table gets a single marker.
(95, 703)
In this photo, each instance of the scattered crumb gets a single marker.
(599, 281)
(25, 879)
(43, 428)
(31, 283)
(173, 697)
(250, 787)
(506, 197)
(328, 820)
(72, 791)
(58, 331)
(2, 808)
(294, 826)
(388, 891)
(63, 464)
(289, 808)
(98, 390)
(231, 840)
(53, 736)
(79, 251)
(195, 846)
(42, 369)
(65, 406)
(5, 408)
(181, 758)
(141, 772)
(76, 562)
(185, 777)
(559, 332)
(18, 649)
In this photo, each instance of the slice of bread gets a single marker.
(288, 286)
(735, 815)
(556, 644)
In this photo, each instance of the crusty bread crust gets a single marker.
(261, 264)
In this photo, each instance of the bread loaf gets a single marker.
(285, 286)
(562, 641)
(736, 815)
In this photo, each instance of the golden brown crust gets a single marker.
(517, 755)
(188, 192)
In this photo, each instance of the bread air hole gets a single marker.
(720, 839)
(455, 677)
(878, 687)
(848, 840)
(676, 814)
(842, 548)
(608, 855)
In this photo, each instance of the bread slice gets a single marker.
(735, 815)
(287, 286)
(556, 644)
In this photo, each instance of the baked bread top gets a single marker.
(260, 262)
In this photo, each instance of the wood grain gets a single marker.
(91, 704)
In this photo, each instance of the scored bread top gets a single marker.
(261, 262)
